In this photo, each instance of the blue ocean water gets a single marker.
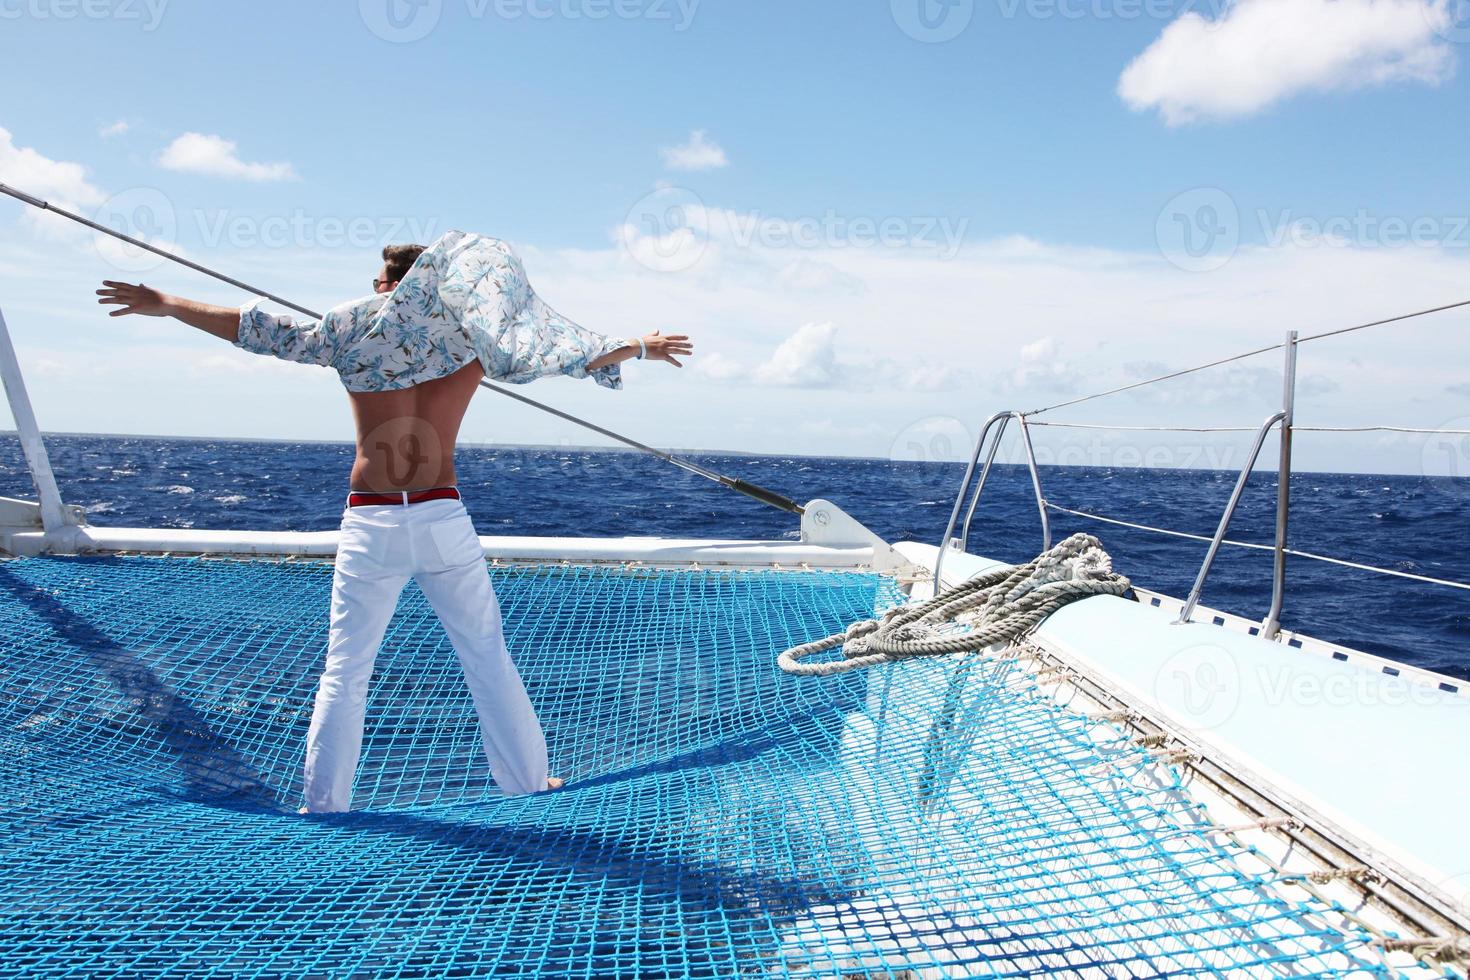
(1410, 523)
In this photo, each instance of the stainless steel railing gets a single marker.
(996, 426)
(996, 423)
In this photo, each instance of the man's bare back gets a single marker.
(405, 438)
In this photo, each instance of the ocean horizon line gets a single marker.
(586, 448)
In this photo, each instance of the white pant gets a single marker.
(381, 548)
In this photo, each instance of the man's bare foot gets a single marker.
(555, 782)
(303, 810)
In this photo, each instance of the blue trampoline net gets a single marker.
(944, 818)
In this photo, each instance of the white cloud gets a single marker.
(718, 366)
(214, 155)
(1039, 350)
(58, 181)
(696, 153)
(144, 213)
(26, 170)
(1258, 52)
(219, 366)
(806, 359)
(114, 129)
(1044, 366)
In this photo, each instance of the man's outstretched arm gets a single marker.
(660, 348)
(248, 328)
(221, 321)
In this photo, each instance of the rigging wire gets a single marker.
(1379, 323)
(1380, 428)
(1239, 357)
(1149, 428)
(1150, 381)
(1262, 547)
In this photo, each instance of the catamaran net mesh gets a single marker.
(945, 818)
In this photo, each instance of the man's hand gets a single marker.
(134, 299)
(661, 348)
(221, 321)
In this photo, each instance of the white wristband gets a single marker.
(642, 349)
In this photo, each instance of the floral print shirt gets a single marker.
(466, 297)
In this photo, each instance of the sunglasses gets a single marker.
(378, 283)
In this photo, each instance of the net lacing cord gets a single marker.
(1452, 952)
(998, 606)
(1447, 951)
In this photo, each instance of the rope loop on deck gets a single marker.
(997, 607)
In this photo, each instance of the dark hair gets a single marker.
(400, 259)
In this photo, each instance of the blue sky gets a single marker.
(1035, 172)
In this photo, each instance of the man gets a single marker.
(411, 357)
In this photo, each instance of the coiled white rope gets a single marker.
(997, 606)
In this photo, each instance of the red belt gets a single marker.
(358, 499)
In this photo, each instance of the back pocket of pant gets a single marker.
(456, 541)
